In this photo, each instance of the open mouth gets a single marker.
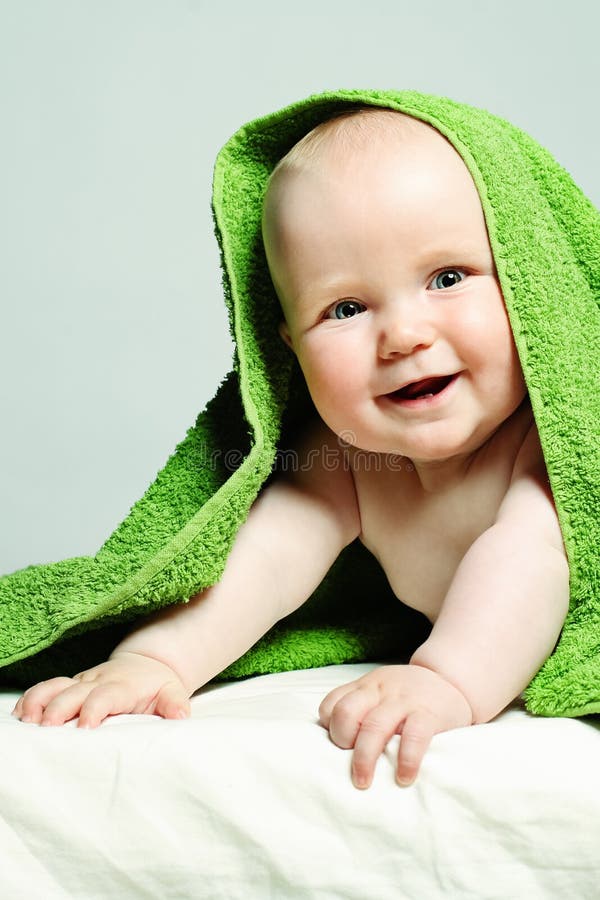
(423, 389)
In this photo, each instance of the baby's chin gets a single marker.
(432, 454)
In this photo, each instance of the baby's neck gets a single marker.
(441, 476)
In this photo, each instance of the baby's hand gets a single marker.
(126, 683)
(410, 700)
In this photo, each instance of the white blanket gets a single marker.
(250, 799)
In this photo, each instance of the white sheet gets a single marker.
(250, 799)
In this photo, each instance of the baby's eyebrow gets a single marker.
(455, 251)
(323, 292)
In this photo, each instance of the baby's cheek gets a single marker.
(337, 381)
(328, 390)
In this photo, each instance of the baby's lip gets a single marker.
(428, 384)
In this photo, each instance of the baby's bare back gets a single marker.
(419, 535)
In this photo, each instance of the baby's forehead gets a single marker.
(362, 147)
(347, 140)
(402, 185)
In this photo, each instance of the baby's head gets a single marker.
(378, 250)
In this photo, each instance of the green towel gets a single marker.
(66, 616)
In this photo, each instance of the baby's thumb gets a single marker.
(172, 702)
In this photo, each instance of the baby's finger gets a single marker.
(329, 701)
(30, 706)
(348, 713)
(172, 702)
(111, 699)
(417, 732)
(66, 705)
(376, 729)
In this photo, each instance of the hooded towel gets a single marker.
(67, 616)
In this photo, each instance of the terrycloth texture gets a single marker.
(545, 238)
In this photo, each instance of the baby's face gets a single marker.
(387, 282)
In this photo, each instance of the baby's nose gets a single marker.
(404, 332)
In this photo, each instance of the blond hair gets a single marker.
(344, 131)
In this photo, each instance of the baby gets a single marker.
(378, 250)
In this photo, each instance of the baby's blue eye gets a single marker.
(447, 279)
(345, 309)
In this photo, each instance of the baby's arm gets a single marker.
(499, 622)
(507, 603)
(295, 530)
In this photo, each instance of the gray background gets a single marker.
(113, 329)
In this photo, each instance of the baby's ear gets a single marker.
(285, 334)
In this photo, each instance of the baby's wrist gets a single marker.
(461, 696)
(138, 656)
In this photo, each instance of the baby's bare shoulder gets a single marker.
(529, 496)
(317, 463)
